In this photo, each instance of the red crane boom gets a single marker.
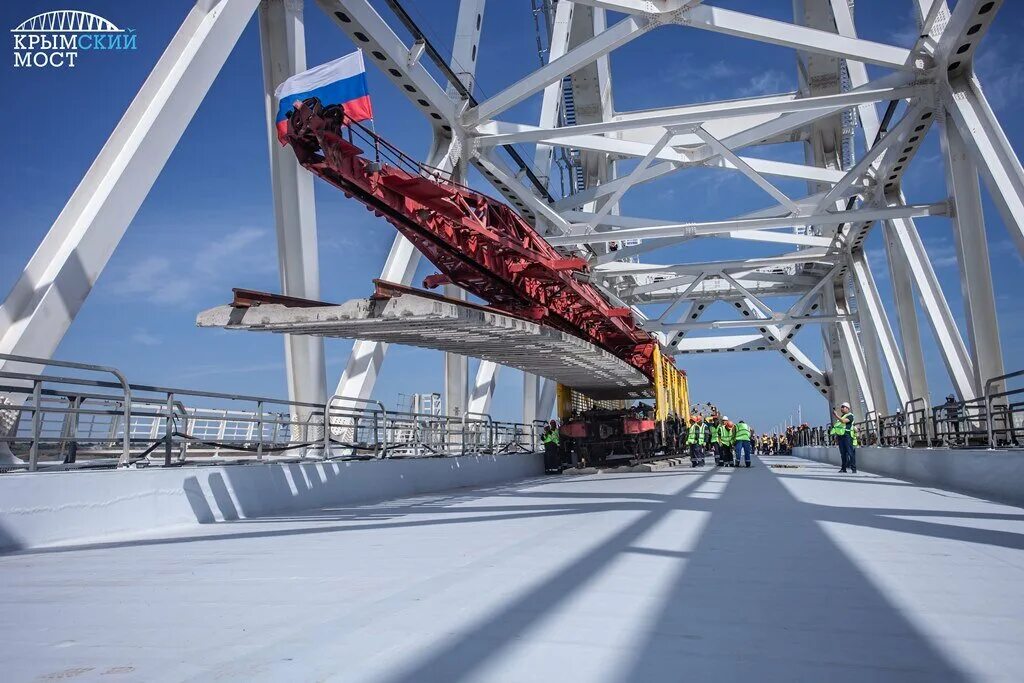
(476, 242)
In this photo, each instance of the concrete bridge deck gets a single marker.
(768, 574)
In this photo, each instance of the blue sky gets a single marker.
(207, 225)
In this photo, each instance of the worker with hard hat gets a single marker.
(726, 437)
(743, 437)
(714, 437)
(695, 438)
(552, 448)
(843, 429)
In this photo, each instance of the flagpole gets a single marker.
(362, 63)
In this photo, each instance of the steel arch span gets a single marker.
(66, 21)
(572, 172)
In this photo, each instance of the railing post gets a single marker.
(169, 429)
(988, 416)
(33, 453)
(259, 428)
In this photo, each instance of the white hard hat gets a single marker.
(725, 417)
(844, 404)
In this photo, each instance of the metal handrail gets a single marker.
(153, 415)
(382, 442)
(490, 428)
(923, 411)
(125, 458)
(990, 396)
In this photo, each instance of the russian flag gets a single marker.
(342, 81)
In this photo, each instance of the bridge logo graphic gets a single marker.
(54, 39)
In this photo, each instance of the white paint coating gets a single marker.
(63, 507)
(994, 474)
(756, 575)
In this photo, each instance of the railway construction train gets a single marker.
(601, 433)
(492, 252)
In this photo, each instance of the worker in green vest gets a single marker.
(695, 437)
(552, 448)
(727, 437)
(743, 433)
(714, 429)
(844, 436)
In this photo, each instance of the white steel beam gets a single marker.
(906, 312)
(613, 201)
(53, 286)
(524, 194)
(552, 98)
(973, 258)
(359, 16)
(745, 168)
(991, 151)
(715, 227)
(283, 43)
(895, 86)
(460, 397)
(482, 394)
(730, 342)
(763, 166)
(872, 311)
(546, 404)
(612, 37)
(669, 313)
(773, 338)
(801, 256)
(655, 326)
(757, 28)
(951, 344)
(367, 357)
(852, 182)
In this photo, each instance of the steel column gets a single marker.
(283, 46)
(973, 258)
(906, 313)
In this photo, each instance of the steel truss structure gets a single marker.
(822, 264)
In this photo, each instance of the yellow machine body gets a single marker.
(669, 390)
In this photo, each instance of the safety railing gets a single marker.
(917, 430)
(73, 422)
(1005, 418)
(868, 429)
(15, 383)
(959, 424)
(993, 420)
(353, 426)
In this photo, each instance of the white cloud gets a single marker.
(144, 338)
(181, 278)
(766, 83)
(943, 256)
(1000, 67)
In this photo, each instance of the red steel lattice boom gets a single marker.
(476, 242)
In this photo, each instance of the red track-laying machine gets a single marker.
(476, 242)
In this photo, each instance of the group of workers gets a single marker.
(727, 443)
(773, 444)
(731, 444)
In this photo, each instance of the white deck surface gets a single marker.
(697, 575)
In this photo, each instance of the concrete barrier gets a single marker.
(50, 508)
(995, 475)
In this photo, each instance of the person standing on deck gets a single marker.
(552, 448)
(844, 436)
(743, 435)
